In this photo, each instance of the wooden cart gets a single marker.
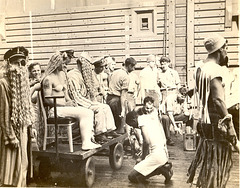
(79, 161)
(59, 158)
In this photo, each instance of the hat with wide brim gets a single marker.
(214, 42)
(16, 52)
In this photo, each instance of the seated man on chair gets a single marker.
(104, 121)
(54, 83)
(175, 109)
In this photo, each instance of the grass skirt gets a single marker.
(211, 165)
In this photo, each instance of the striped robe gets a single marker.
(13, 162)
(212, 163)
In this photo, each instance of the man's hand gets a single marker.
(177, 130)
(15, 143)
(123, 113)
(34, 133)
(69, 103)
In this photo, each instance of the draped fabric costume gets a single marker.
(104, 118)
(213, 158)
(14, 161)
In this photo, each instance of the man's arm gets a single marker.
(47, 90)
(176, 128)
(34, 93)
(217, 92)
(123, 100)
(170, 115)
(145, 135)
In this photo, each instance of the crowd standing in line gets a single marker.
(103, 100)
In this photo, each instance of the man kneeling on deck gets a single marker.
(156, 162)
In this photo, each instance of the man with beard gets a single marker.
(213, 158)
(15, 117)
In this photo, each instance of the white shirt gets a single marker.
(154, 129)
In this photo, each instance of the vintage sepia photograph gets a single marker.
(119, 93)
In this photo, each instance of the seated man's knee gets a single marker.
(165, 117)
(89, 112)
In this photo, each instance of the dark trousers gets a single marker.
(115, 104)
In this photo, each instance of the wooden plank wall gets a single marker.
(141, 46)
(210, 18)
(181, 39)
(99, 30)
(99, 33)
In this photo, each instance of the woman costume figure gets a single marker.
(55, 83)
(213, 158)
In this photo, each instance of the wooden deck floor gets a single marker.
(106, 177)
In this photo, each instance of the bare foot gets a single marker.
(90, 145)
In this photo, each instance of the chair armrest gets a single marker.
(54, 97)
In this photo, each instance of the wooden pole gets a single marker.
(171, 33)
(31, 34)
(190, 43)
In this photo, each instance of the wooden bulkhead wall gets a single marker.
(110, 29)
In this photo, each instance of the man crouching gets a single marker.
(156, 162)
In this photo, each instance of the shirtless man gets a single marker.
(55, 83)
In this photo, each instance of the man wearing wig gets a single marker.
(55, 83)
(15, 118)
(79, 81)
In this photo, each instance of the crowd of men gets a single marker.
(103, 100)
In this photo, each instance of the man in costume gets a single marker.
(54, 82)
(104, 122)
(15, 118)
(213, 158)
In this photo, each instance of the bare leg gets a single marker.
(85, 117)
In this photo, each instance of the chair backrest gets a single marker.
(42, 108)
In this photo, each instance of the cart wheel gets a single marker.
(36, 169)
(87, 172)
(44, 168)
(116, 156)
